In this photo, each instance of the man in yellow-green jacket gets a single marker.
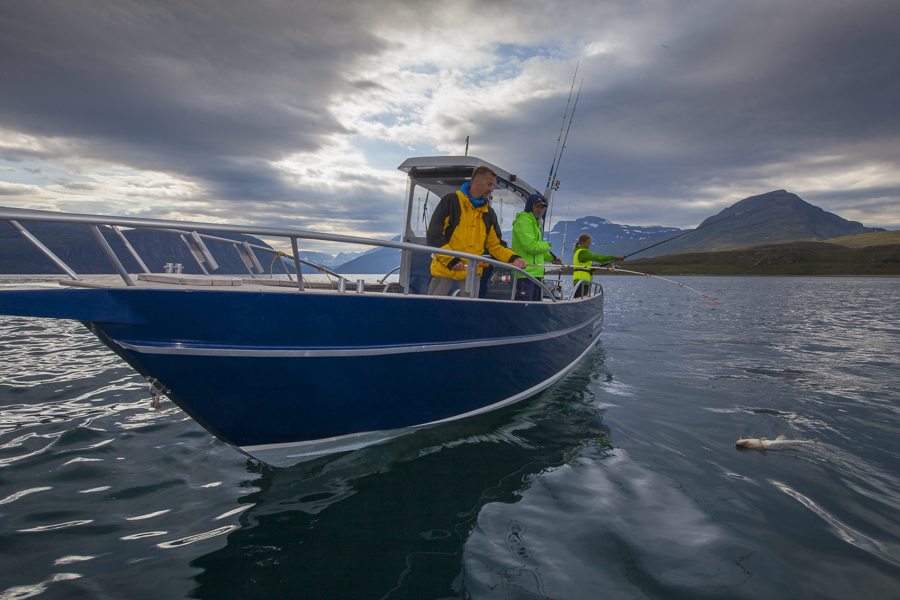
(527, 243)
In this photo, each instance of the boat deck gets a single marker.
(205, 282)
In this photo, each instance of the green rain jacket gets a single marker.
(584, 257)
(526, 242)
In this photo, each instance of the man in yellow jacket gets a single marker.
(464, 222)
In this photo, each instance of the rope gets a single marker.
(305, 280)
(272, 266)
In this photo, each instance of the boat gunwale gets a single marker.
(23, 214)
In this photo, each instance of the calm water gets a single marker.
(622, 481)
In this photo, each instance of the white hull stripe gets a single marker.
(250, 352)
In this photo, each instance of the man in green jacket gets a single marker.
(527, 243)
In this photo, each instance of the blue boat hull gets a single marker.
(264, 370)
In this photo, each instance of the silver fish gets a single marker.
(779, 442)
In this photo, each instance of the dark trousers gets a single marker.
(528, 291)
(582, 289)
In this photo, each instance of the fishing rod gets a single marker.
(553, 162)
(685, 233)
(553, 181)
(555, 184)
(616, 269)
(574, 106)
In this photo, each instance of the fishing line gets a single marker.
(686, 232)
(658, 277)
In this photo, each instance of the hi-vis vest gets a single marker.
(580, 274)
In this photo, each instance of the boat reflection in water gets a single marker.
(395, 519)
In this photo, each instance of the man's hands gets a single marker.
(519, 262)
(557, 261)
(618, 258)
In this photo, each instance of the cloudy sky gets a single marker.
(297, 113)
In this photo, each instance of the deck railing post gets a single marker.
(191, 250)
(199, 249)
(471, 283)
(104, 245)
(245, 253)
(129, 247)
(297, 263)
(56, 260)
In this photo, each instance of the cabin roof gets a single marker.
(444, 174)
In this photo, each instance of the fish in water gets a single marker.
(779, 442)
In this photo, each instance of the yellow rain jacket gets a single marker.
(457, 225)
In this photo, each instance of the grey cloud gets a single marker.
(175, 85)
(73, 185)
(736, 96)
(690, 95)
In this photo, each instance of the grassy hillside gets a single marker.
(795, 258)
(881, 238)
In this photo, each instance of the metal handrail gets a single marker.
(213, 238)
(583, 283)
(388, 274)
(24, 214)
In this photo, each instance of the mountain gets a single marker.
(774, 218)
(376, 261)
(76, 247)
(777, 217)
(882, 257)
(605, 234)
(328, 260)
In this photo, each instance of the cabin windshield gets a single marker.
(506, 201)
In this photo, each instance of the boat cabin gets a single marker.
(430, 179)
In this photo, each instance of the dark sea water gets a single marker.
(621, 481)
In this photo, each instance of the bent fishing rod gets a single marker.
(683, 234)
(616, 269)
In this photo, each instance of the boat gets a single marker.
(285, 370)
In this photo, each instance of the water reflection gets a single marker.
(394, 519)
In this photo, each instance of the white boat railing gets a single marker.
(188, 231)
(587, 283)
